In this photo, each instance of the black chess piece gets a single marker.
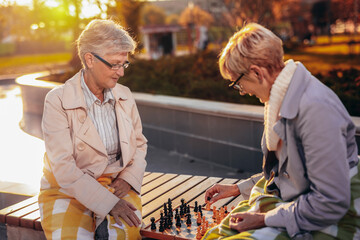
(165, 209)
(153, 225)
(178, 222)
(200, 210)
(182, 202)
(188, 220)
(169, 202)
(181, 211)
(161, 216)
(161, 227)
(196, 206)
(170, 223)
(170, 212)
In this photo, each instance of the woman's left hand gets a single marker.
(246, 221)
(121, 187)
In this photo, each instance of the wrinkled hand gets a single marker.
(220, 191)
(125, 210)
(246, 221)
(121, 187)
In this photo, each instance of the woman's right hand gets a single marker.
(126, 211)
(220, 191)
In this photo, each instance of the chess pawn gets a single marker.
(188, 220)
(198, 233)
(196, 206)
(161, 227)
(178, 222)
(153, 225)
(200, 210)
(182, 202)
(198, 219)
(207, 208)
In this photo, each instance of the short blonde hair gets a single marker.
(104, 37)
(253, 44)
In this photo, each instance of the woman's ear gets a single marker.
(258, 72)
(89, 60)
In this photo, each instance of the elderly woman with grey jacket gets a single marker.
(309, 187)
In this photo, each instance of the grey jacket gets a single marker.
(318, 151)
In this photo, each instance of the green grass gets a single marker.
(14, 64)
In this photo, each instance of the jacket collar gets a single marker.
(290, 105)
(74, 96)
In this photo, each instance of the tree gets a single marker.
(195, 15)
(237, 12)
(129, 14)
(153, 15)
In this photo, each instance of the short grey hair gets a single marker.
(253, 44)
(104, 37)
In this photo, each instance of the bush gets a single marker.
(192, 76)
(346, 84)
(198, 76)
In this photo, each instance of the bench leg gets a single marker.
(20, 233)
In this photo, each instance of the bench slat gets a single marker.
(163, 188)
(156, 183)
(151, 177)
(29, 219)
(6, 211)
(14, 217)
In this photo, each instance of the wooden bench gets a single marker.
(23, 219)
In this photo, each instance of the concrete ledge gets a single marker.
(222, 133)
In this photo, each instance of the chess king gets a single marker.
(309, 187)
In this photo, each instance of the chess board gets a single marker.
(179, 233)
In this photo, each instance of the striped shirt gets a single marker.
(103, 116)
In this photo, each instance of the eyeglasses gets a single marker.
(114, 67)
(236, 84)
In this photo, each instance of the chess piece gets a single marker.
(188, 220)
(200, 210)
(161, 227)
(198, 219)
(161, 216)
(181, 211)
(165, 209)
(153, 225)
(196, 206)
(207, 206)
(178, 222)
(182, 202)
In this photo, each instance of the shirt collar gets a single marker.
(90, 98)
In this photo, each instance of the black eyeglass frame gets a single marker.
(235, 84)
(112, 66)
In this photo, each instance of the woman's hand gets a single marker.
(219, 191)
(121, 187)
(125, 210)
(246, 221)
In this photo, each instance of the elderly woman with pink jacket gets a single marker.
(95, 150)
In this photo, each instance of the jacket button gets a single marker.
(286, 174)
(82, 119)
(80, 146)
